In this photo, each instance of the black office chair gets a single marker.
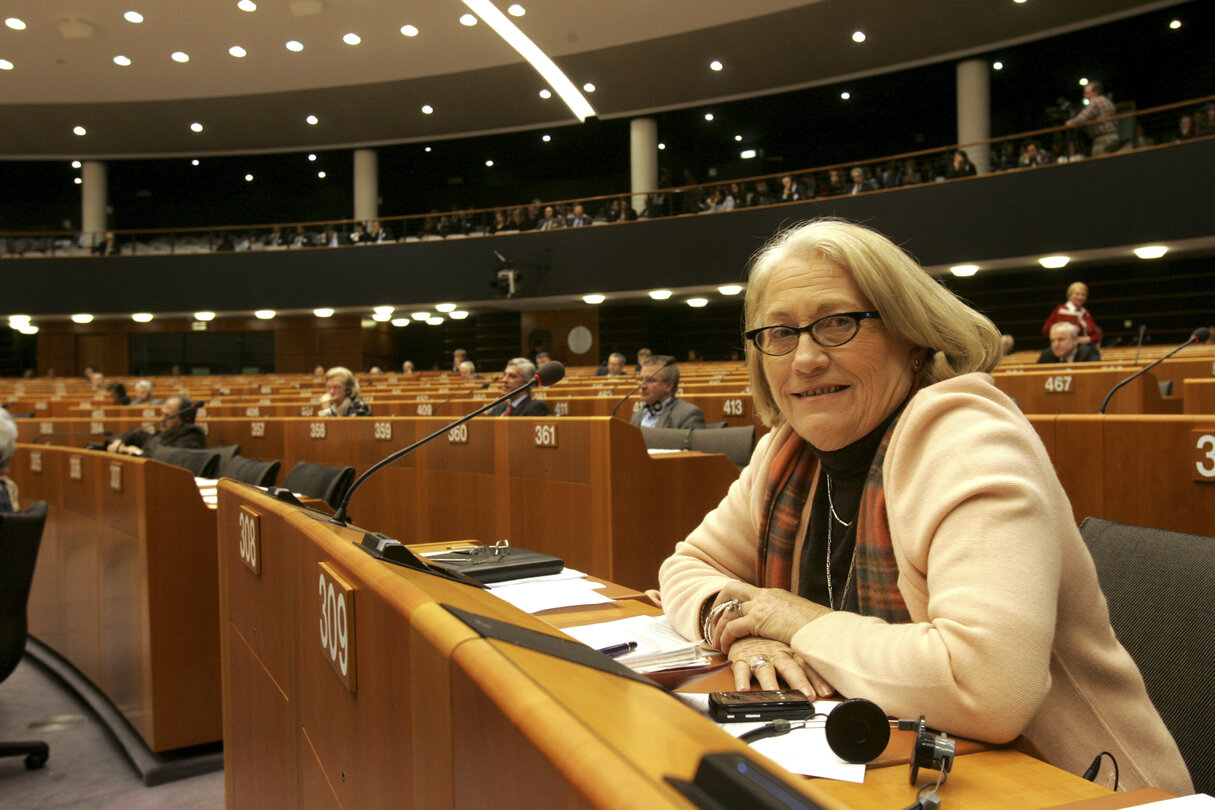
(226, 452)
(320, 481)
(1160, 586)
(735, 442)
(249, 470)
(20, 536)
(665, 438)
(203, 463)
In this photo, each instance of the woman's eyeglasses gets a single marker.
(828, 331)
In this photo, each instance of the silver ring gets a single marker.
(758, 661)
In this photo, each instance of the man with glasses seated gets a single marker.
(659, 382)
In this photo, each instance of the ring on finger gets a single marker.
(707, 626)
(758, 661)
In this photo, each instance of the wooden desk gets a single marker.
(1081, 390)
(126, 584)
(1198, 396)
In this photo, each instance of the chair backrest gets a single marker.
(203, 463)
(227, 451)
(1160, 586)
(735, 442)
(320, 481)
(20, 536)
(665, 438)
(249, 470)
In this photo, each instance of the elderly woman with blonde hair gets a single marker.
(900, 534)
(341, 396)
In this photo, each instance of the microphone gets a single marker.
(1139, 343)
(435, 410)
(550, 374)
(637, 388)
(1199, 335)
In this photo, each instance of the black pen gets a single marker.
(617, 650)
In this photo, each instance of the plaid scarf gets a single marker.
(790, 481)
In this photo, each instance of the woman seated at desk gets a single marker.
(900, 534)
(341, 397)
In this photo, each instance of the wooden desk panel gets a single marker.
(1198, 396)
(1080, 390)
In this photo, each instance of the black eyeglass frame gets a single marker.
(753, 334)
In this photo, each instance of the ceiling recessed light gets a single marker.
(845, 95)
(458, 315)
(964, 270)
(1151, 251)
(180, 57)
(427, 109)
(238, 52)
(28, 329)
(737, 137)
(247, 5)
(716, 65)
(382, 317)
(468, 19)
(435, 321)
(352, 39)
(730, 289)
(75, 164)
(661, 146)
(323, 312)
(5, 64)
(312, 120)
(594, 298)
(141, 317)
(133, 17)
(401, 322)
(264, 314)
(708, 116)
(1175, 24)
(428, 149)
(698, 302)
(660, 295)
(248, 178)
(409, 30)
(1054, 262)
(588, 87)
(80, 131)
(445, 307)
(204, 316)
(489, 164)
(82, 317)
(1084, 82)
(516, 10)
(420, 316)
(546, 93)
(997, 65)
(311, 156)
(385, 310)
(196, 127)
(194, 162)
(321, 175)
(122, 61)
(15, 23)
(77, 181)
(858, 36)
(295, 45)
(747, 154)
(546, 137)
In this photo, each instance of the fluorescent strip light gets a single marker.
(537, 58)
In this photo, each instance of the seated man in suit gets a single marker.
(660, 380)
(176, 428)
(613, 367)
(518, 372)
(1065, 346)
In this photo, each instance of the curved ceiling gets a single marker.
(641, 55)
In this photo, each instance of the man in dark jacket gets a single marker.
(176, 428)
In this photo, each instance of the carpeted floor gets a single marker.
(86, 769)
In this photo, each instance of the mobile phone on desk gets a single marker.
(759, 705)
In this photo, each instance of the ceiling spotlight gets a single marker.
(312, 120)
(264, 314)
(311, 156)
(352, 39)
(400, 322)
(737, 137)
(409, 30)
(747, 154)
(238, 51)
(5, 64)
(133, 17)
(75, 164)
(248, 178)
(247, 5)
(716, 65)
(382, 317)
(468, 19)
(1084, 82)
(323, 312)
(546, 93)
(194, 162)
(489, 164)
(845, 95)
(698, 302)
(427, 109)
(660, 295)
(80, 131)
(1175, 24)
(445, 307)
(458, 315)
(730, 289)
(546, 137)
(77, 181)
(594, 298)
(321, 175)
(428, 149)
(122, 61)
(588, 87)
(383, 310)
(15, 24)
(82, 317)
(1151, 251)
(204, 316)
(141, 317)
(18, 320)
(516, 10)
(180, 56)
(858, 36)
(964, 270)
(997, 65)
(196, 127)
(708, 116)
(295, 45)
(28, 329)
(435, 321)
(420, 316)
(1054, 262)
(661, 146)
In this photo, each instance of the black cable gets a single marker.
(1091, 773)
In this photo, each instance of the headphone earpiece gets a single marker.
(857, 730)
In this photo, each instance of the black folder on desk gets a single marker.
(497, 564)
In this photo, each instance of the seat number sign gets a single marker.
(336, 622)
(1059, 384)
(1204, 455)
(250, 540)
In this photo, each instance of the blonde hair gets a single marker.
(915, 307)
(347, 377)
(1075, 285)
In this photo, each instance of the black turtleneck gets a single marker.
(848, 468)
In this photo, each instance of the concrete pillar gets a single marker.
(974, 110)
(94, 194)
(643, 159)
(366, 185)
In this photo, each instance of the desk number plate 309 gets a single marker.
(337, 625)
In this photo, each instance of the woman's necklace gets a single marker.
(831, 520)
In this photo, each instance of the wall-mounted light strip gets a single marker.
(535, 57)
